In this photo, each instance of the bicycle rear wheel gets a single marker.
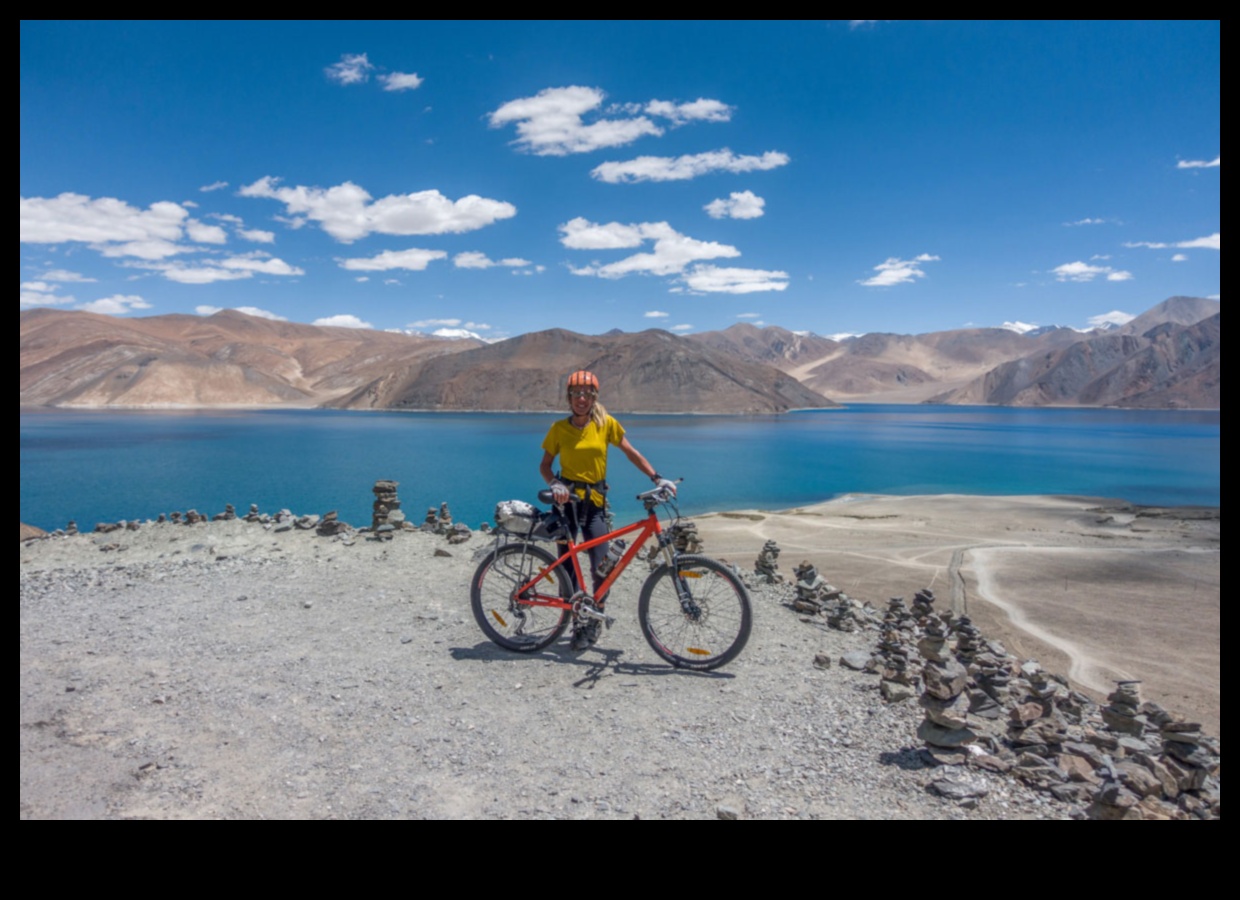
(696, 615)
(493, 597)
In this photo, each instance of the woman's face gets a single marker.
(581, 400)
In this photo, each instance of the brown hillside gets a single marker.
(653, 371)
(228, 359)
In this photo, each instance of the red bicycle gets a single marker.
(693, 610)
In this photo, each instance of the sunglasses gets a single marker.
(578, 394)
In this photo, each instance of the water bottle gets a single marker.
(615, 550)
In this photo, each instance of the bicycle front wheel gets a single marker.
(696, 614)
(493, 597)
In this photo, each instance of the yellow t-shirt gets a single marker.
(583, 451)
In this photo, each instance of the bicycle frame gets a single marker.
(528, 594)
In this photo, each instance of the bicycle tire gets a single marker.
(492, 591)
(709, 635)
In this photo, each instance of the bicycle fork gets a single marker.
(680, 578)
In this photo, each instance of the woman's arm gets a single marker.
(545, 468)
(557, 487)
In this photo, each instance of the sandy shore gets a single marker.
(1092, 588)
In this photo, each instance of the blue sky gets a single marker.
(829, 176)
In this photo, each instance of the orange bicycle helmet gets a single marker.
(582, 378)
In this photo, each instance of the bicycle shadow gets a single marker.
(596, 669)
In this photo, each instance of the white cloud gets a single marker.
(64, 275)
(401, 81)
(214, 186)
(262, 264)
(681, 168)
(717, 280)
(672, 250)
(701, 110)
(414, 259)
(1082, 271)
(116, 305)
(455, 333)
(205, 234)
(655, 314)
(256, 235)
(353, 68)
(898, 271)
(1199, 163)
(1209, 242)
(550, 123)
(1179, 257)
(201, 274)
(41, 293)
(435, 323)
(581, 234)
(153, 249)
(749, 315)
(342, 321)
(681, 328)
(75, 217)
(1114, 317)
(1085, 222)
(205, 310)
(472, 259)
(231, 268)
(347, 213)
(739, 205)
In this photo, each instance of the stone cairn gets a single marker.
(766, 566)
(459, 533)
(846, 614)
(443, 521)
(330, 525)
(685, 537)
(983, 709)
(428, 524)
(946, 728)
(385, 502)
(810, 586)
(897, 633)
(229, 513)
(253, 515)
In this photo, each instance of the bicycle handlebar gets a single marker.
(659, 495)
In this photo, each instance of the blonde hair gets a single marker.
(598, 412)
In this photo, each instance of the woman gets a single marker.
(581, 442)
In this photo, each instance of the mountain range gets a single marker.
(1166, 357)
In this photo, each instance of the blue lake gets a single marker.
(104, 466)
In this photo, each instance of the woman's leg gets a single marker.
(595, 526)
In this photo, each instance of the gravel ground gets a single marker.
(227, 671)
